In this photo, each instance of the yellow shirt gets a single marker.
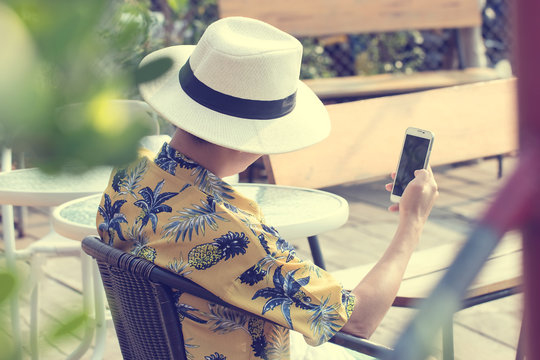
(180, 216)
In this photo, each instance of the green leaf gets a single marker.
(153, 70)
(7, 285)
(69, 325)
(176, 4)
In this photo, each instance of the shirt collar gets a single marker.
(181, 166)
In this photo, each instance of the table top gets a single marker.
(294, 212)
(32, 187)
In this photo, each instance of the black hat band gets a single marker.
(231, 105)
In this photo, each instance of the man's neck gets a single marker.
(219, 160)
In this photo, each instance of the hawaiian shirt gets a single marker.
(180, 216)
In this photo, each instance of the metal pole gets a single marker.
(316, 252)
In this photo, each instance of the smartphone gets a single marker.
(414, 155)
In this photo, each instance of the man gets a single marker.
(235, 96)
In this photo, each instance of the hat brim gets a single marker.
(307, 124)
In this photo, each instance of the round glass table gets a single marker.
(294, 212)
(32, 187)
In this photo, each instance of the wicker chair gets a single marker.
(143, 309)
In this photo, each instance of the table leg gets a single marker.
(316, 251)
(22, 215)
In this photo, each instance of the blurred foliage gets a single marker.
(7, 286)
(388, 52)
(365, 54)
(7, 291)
(496, 25)
(65, 52)
(63, 329)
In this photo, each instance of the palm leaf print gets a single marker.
(112, 218)
(285, 293)
(278, 343)
(348, 300)
(253, 275)
(189, 345)
(193, 219)
(224, 320)
(179, 266)
(215, 356)
(311, 268)
(259, 271)
(185, 311)
(324, 320)
(152, 203)
(283, 246)
(140, 247)
(251, 224)
(129, 182)
(137, 235)
(168, 159)
(211, 184)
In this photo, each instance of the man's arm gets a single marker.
(377, 290)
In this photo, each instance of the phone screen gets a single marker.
(413, 158)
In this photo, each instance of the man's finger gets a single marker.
(421, 173)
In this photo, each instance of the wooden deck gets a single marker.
(488, 331)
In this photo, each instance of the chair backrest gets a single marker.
(469, 122)
(323, 17)
(144, 312)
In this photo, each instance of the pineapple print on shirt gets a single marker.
(227, 246)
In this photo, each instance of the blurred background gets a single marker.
(63, 52)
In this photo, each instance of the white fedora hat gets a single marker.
(239, 88)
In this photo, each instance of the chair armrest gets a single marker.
(361, 345)
(183, 284)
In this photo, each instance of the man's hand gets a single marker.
(418, 198)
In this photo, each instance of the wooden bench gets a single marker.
(501, 276)
(469, 121)
(503, 270)
(323, 19)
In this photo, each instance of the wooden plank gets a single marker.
(426, 267)
(391, 84)
(322, 17)
(469, 121)
(498, 273)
